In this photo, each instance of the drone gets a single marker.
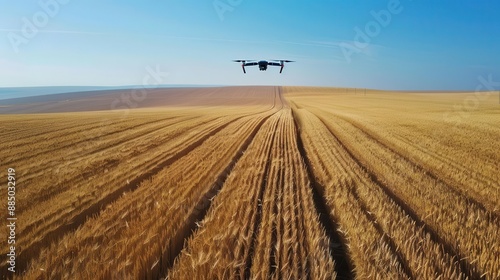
(262, 64)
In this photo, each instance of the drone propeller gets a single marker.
(283, 60)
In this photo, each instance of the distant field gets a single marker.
(127, 99)
(255, 183)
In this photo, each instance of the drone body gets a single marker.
(262, 64)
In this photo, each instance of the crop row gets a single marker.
(446, 155)
(222, 244)
(79, 197)
(264, 223)
(291, 242)
(414, 253)
(139, 233)
(465, 228)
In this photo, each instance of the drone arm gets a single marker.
(277, 64)
(247, 64)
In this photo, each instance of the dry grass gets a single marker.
(271, 229)
(232, 191)
(443, 176)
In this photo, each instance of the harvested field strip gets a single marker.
(177, 199)
(450, 146)
(421, 257)
(82, 129)
(465, 227)
(85, 200)
(24, 125)
(288, 245)
(102, 168)
(483, 186)
(77, 128)
(62, 165)
(337, 245)
(371, 255)
(480, 184)
(72, 165)
(225, 252)
(80, 142)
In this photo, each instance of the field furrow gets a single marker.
(84, 200)
(482, 186)
(217, 251)
(72, 132)
(289, 245)
(468, 231)
(67, 167)
(273, 229)
(368, 250)
(177, 198)
(232, 183)
(419, 255)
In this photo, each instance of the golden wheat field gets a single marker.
(256, 183)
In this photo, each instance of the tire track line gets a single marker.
(464, 264)
(72, 144)
(78, 178)
(82, 177)
(203, 206)
(343, 263)
(420, 168)
(403, 236)
(28, 253)
(262, 187)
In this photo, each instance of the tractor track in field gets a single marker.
(84, 176)
(421, 168)
(34, 249)
(91, 126)
(258, 220)
(69, 145)
(67, 128)
(483, 178)
(343, 263)
(448, 248)
(81, 177)
(203, 206)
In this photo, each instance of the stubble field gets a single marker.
(258, 183)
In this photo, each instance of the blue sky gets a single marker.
(385, 44)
